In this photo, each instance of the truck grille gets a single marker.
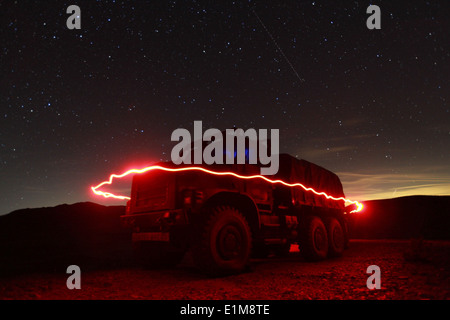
(153, 198)
(153, 191)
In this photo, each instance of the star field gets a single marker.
(77, 105)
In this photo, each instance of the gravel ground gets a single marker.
(409, 270)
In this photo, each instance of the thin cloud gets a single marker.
(388, 185)
(351, 122)
(343, 138)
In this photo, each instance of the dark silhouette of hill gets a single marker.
(91, 236)
(403, 218)
(51, 239)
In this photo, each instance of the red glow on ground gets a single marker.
(359, 206)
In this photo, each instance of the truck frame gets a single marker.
(224, 220)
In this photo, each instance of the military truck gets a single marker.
(225, 220)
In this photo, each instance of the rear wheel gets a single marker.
(156, 255)
(336, 237)
(224, 245)
(313, 239)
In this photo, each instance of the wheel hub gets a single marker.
(229, 242)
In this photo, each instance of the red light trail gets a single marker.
(359, 206)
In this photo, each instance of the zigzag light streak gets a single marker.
(359, 206)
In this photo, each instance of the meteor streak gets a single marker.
(359, 206)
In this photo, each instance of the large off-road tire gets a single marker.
(336, 237)
(157, 255)
(313, 239)
(224, 243)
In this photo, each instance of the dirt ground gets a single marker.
(408, 271)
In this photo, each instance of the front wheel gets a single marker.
(224, 243)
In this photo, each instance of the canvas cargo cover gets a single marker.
(293, 170)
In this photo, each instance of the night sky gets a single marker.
(77, 105)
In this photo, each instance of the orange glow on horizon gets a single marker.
(359, 206)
